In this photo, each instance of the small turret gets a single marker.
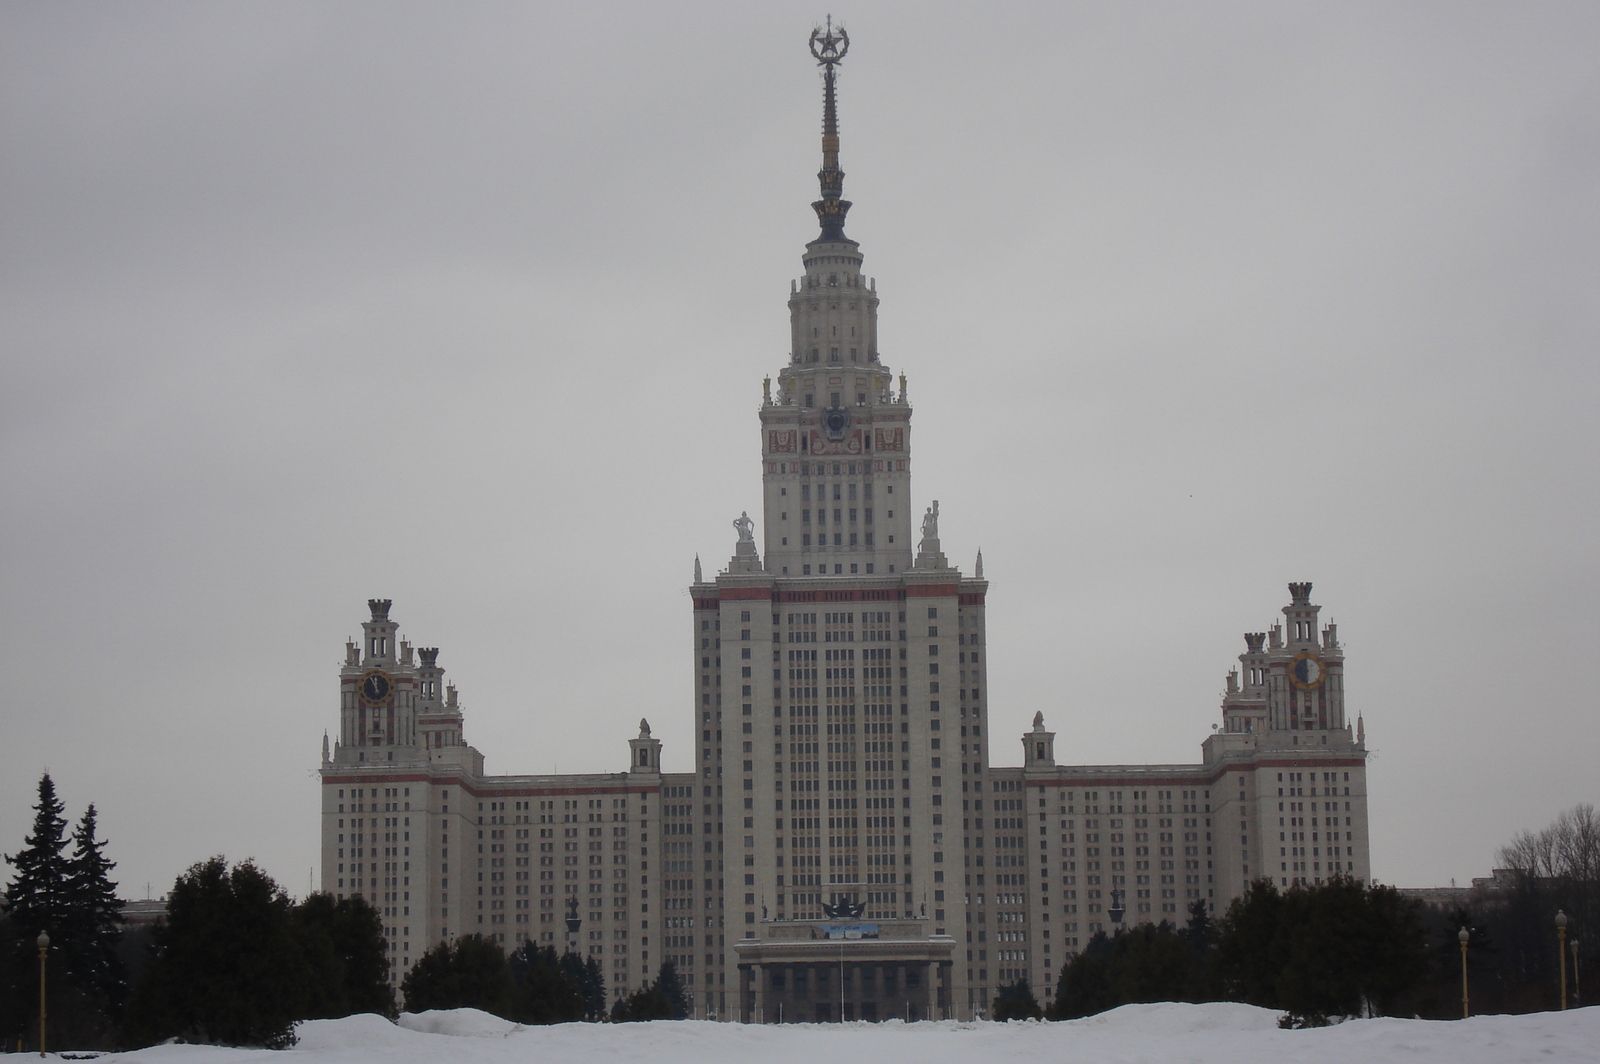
(1038, 745)
(379, 633)
(644, 753)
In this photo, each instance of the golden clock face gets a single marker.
(1306, 671)
(375, 685)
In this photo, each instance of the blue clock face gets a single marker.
(375, 686)
(1306, 671)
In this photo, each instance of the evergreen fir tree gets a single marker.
(1084, 987)
(585, 975)
(594, 991)
(1198, 929)
(346, 957)
(663, 999)
(1015, 1001)
(470, 973)
(544, 993)
(37, 896)
(34, 901)
(228, 968)
(91, 923)
(670, 988)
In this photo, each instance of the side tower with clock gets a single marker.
(1292, 800)
(412, 824)
(378, 687)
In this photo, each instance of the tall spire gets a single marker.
(828, 46)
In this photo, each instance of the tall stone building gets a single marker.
(845, 846)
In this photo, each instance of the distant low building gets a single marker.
(1484, 888)
(144, 912)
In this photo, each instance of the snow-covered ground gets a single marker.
(1133, 1034)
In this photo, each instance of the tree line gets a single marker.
(532, 985)
(234, 961)
(1347, 948)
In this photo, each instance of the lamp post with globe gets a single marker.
(43, 942)
(1561, 953)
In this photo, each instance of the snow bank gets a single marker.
(1134, 1034)
(458, 1023)
(366, 1031)
(1177, 1019)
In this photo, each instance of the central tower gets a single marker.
(837, 413)
(830, 752)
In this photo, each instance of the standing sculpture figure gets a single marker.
(746, 527)
(930, 522)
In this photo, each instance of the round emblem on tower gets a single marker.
(1306, 671)
(835, 422)
(829, 45)
(375, 685)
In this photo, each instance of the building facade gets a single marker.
(845, 846)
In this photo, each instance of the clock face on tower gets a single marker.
(375, 686)
(1306, 671)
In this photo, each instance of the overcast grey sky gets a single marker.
(468, 306)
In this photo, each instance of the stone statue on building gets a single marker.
(746, 527)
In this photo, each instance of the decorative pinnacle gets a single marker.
(828, 47)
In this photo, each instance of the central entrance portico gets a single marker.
(828, 972)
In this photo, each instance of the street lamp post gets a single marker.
(1462, 936)
(574, 921)
(1116, 911)
(1577, 984)
(43, 942)
(1561, 952)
